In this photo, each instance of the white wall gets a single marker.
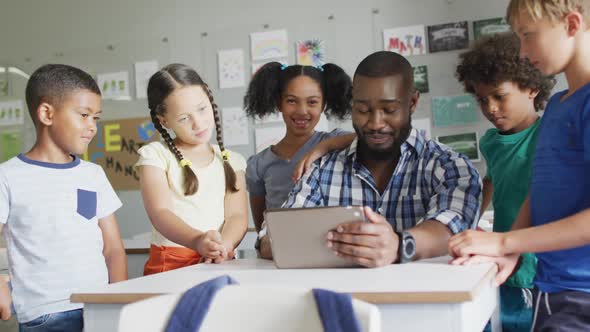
(78, 32)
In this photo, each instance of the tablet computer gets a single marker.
(298, 236)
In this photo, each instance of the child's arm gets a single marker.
(258, 206)
(113, 250)
(488, 192)
(5, 297)
(158, 205)
(236, 216)
(322, 148)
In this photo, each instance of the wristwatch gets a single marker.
(407, 247)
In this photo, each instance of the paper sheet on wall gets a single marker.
(410, 40)
(311, 52)
(269, 45)
(466, 143)
(423, 125)
(3, 87)
(143, 71)
(114, 86)
(12, 113)
(231, 68)
(454, 110)
(235, 126)
(266, 137)
(10, 144)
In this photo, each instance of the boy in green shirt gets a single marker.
(510, 91)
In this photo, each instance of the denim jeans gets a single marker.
(67, 321)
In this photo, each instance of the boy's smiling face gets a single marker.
(548, 45)
(72, 123)
(508, 107)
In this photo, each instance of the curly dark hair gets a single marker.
(494, 60)
(269, 82)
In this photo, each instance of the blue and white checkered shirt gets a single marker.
(431, 181)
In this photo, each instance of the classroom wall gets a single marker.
(109, 36)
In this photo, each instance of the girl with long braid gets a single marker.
(194, 192)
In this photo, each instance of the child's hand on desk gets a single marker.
(227, 254)
(210, 245)
(5, 300)
(506, 264)
(473, 242)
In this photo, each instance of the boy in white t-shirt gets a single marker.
(57, 210)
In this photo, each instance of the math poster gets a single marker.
(406, 41)
(115, 149)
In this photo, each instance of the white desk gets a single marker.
(423, 296)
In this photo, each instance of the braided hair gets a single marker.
(270, 81)
(160, 86)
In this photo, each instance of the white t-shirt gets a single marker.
(51, 213)
(205, 209)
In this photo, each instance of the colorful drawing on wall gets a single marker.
(266, 137)
(454, 110)
(12, 113)
(114, 86)
(235, 126)
(269, 45)
(423, 125)
(490, 26)
(231, 68)
(311, 52)
(115, 149)
(3, 87)
(421, 79)
(10, 144)
(448, 37)
(143, 72)
(406, 41)
(467, 144)
(257, 65)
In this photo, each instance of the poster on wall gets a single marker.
(467, 144)
(269, 45)
(421, 79)
(114, 86)
(448, 37)
(143, 71)
(12, 113)
(406, 41)
(231, 68)
(115, 149)
(235, 126)
(3, 87)
(489, 27)
(454, 110)
(266, 137)
(10, 144)
(311, 52)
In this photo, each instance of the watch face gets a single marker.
(409, 246)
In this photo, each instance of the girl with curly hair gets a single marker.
(300, 94)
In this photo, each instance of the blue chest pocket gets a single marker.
(86, 203)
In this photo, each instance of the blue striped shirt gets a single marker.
(430, 182)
